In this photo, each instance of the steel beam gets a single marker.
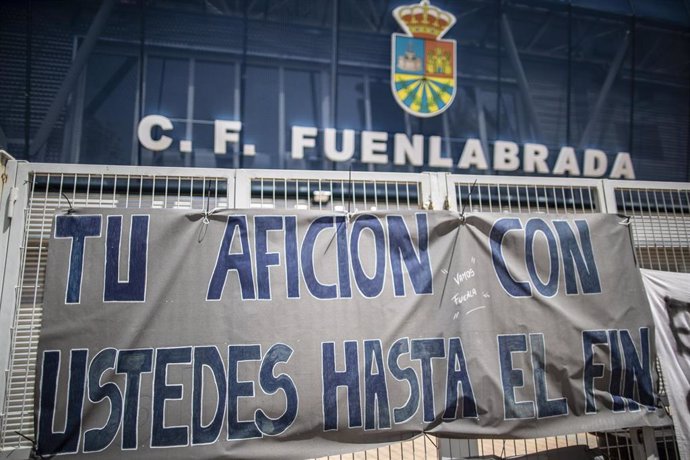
(651, 53)
(276, 5)
(521, 77)
(210, 7)
(373, 15)
(466, 13)
(384, 15)
(605, 89)
(540, 32)
(72, 76)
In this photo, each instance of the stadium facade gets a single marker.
(550, 88)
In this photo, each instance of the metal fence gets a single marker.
(660, 214)
(31, 194)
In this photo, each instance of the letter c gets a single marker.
(146, 125)
(498, 231)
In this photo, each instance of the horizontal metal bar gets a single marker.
(648, 185)
(524, 180)
(330, 175)
(147, 171)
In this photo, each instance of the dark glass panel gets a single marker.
(108, 111)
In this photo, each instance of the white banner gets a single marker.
(669, 297)
(290, 335)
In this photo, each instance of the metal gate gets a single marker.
(31, 193)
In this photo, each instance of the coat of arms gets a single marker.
(423, 65)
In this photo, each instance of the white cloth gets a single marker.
(669, 298)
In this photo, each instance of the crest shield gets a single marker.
(423, 76)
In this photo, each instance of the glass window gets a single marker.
(303, 98)
(386, 114)
(214, 99)
(350, 110)
(669, 10)
(108, 110)
(660, 118)
(166, 89)
(214, 91)
(167, 80)
(613, 6)
(261, 117)
(463, 113)
(193, 79)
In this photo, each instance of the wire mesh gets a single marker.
(660, 223)
(666, 444)
(660, 227)
(347, 195)
(530, 198)
(547, 199)
(49, 193)
(661, 231)
(334, 195)
(421, 448)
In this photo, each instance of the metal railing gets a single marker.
(660, 214)
(31, 194)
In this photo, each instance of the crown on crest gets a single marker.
(423, 20)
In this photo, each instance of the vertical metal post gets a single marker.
(142, 69)
(27, 81)
(631, 126)
(237, 112)
(367, 101)
(687, 145)
(281, 117)
(334, 63)
(7, 173)
(639, 444)
(446, 135)
(243, 78)
(457, 449)
(325, 99)
(649, 440)
(189, 126)
(431, 190)
(13, 224)
(367, 109)
(243, 189)
(499, 42)
(569, 78)
(481, 120)
(325, 113)
(451, 198)
(606, 194)
(68, 129)
(74, 128)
